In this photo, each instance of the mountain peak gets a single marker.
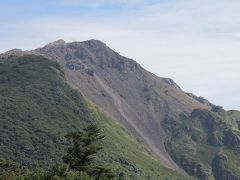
(91, 44)
(94, 41)
(56, 43)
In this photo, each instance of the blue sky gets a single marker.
(195, 42)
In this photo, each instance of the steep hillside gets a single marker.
(123, 89)
(206, 144)
(38, 108)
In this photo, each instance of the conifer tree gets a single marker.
(85, 146)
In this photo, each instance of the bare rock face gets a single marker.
(136, 98)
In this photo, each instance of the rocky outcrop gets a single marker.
(201, 100)
(220, 169)
(171, 82)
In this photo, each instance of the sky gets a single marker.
(194, 42)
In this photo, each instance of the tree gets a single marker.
(85, 146)
(9, 169)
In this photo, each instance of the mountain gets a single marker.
(38, 108)
(123, 89)
(183, 130)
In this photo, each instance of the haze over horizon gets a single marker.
(196, 43)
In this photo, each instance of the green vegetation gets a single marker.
(58, 172)
(38, 108)
(206, 144)
(79, 161)
(81, 155)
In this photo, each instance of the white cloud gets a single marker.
(194, 42)
(102, 3)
